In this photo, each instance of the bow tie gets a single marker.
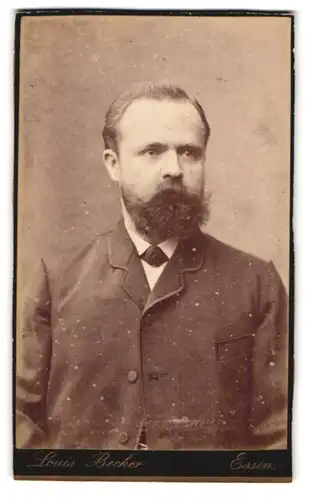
(154, 256)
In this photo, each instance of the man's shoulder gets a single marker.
(233, 265)
(227, 255)
(78, 256)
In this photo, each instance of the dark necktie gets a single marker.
(154, 256)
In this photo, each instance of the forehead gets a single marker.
(148, 120)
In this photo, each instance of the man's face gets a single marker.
(161, 144)
(160, 167)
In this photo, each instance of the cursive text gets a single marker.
(241, 462)
(103, 460)
(43, 459)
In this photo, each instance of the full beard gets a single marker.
(169, 213)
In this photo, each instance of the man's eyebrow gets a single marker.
(153, 145)
(189, 145)
(160, 147)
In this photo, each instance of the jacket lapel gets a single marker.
(188, 257)
(123, 255)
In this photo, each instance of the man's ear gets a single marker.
(110, 160)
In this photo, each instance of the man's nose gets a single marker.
(172, 167)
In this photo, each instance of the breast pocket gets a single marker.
(236, 347)
(235, 339)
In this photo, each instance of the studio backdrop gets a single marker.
(73, 67)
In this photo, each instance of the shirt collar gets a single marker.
(141, 245)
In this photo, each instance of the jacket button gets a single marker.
(132, 376)
(124, 438)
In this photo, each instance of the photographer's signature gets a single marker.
(100, 460)
(241, 462)
(105, 460)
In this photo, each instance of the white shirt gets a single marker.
(168, 246)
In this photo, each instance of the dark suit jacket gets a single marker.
(201, 360)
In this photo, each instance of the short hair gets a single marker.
(156, 91)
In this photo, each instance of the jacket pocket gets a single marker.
(236, 347)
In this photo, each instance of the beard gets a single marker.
(171, 212)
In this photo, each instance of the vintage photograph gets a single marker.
(154, 252)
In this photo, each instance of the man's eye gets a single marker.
(188, 153)
(152, 152)
(191, 153)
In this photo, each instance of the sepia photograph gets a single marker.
(154, 252)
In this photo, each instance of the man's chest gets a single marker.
(200, 324)
(179, 359)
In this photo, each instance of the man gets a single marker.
(155, 335)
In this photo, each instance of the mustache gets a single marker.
(170, 185)
(174, 196)
(173, 210)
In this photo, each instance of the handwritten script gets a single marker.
(103, 460)
(242, 462)
(100, 460)
(51, 460)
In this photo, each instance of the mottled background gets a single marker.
(71, 69)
